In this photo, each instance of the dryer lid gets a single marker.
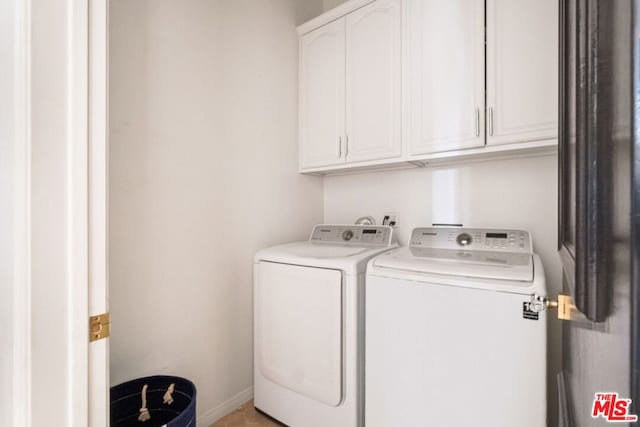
(321, 251)
(342, 247)
(450, 262)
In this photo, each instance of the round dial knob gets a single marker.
(347, 235)
(464, 239)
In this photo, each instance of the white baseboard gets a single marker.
(225, 408)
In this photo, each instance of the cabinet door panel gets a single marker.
(374, 85)
(322, 95)
(522, 70)
(445, 80)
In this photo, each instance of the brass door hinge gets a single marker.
(99, 327)
(564, 304)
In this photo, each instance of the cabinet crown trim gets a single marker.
(331, 15)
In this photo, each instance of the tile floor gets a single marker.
(247, 416)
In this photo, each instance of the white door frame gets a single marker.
(98, 84)
(58, 141)
(15, 408)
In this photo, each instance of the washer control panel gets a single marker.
(477, 239)
(352, 234)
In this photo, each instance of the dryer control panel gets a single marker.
(378, 235)
(472, 239)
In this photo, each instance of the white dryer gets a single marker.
(451, 339)
(308, 325)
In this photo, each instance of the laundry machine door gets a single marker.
(299, 329)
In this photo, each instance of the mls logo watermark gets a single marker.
(612, 408)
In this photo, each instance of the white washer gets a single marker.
(450, 337)
(308, 325)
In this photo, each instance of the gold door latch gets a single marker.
(99, 327)
(564, 304)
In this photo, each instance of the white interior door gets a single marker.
(374, 82)
(98, 206)
(58, 199)
(322, 96)
(299, 329)
(522, 70)
(445, 75)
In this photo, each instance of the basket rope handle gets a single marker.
(144, 412)
(168, 398)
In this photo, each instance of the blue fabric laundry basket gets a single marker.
(127, 401)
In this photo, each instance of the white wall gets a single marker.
(203, 172)
(518, 193)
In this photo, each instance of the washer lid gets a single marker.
(464, 263)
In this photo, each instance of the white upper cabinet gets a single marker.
(322, 96)
(445, 75)
(351, 87)
(374, 82)
(419, 81)
(522, 70)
